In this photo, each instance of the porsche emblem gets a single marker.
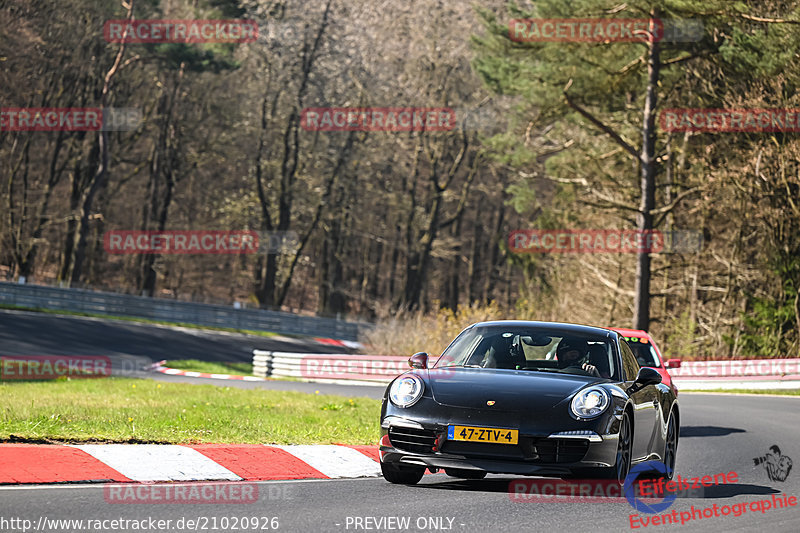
(490, 403)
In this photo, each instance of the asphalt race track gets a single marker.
(132, 346)
(29, 333)
(719, 434)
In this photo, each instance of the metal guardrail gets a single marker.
(107, 303)
(372, 369)
(379, 369)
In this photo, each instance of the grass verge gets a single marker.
(135, 410)
(195, 365)
(137, 319)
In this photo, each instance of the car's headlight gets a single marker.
(590, 402)
(406, 391)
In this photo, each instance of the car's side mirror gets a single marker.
(672, 363)
(418, 360)
(647, 376)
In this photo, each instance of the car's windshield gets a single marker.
(533, 349)
(644, 351)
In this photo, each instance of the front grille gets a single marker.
(484, 450)
(412, 439)
(553, 451)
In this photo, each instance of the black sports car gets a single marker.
(528, 398)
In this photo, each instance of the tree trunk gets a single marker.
(641, 318)
(101, 174)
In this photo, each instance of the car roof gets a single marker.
(631, 332)
(563, 327)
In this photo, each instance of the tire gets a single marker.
(670, 448)
(464, 474)
(401, 475)
(622, 464)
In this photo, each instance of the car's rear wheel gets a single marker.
(464, 474)
(403, 475)
(670, 447)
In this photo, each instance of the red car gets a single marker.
(647, 353)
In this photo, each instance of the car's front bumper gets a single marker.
(409, 442)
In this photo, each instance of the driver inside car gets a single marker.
(574, 354)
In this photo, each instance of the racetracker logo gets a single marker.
(561, 490)
(180, 31)
(585, 30)
(391, 119)
(180, 242)
(69, 118)
(198, 242)
(587, 241)
(744, 367)
(352, 367)
(730, 120)
(594, 241)
(182, 493)
(598, 30)
(40, 367)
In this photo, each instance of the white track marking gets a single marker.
(157, 462)
(96, 486)
(335, 461)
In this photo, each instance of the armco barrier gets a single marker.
(378, 369)
(374, 369)
(107, 303)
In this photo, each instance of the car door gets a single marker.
(644, 401)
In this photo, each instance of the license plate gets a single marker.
(491, 435)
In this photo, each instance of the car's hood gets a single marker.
(472, 388)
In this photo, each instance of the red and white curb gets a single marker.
(159, 367)
(336, 342)
(37, 463)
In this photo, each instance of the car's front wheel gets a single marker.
(403, 475)
(622, 463)
(464, 474)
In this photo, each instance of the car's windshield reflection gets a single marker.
(534, 350)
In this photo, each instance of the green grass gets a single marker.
(135, 410)
(195, 365)
(137, 319)
(770, 392)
